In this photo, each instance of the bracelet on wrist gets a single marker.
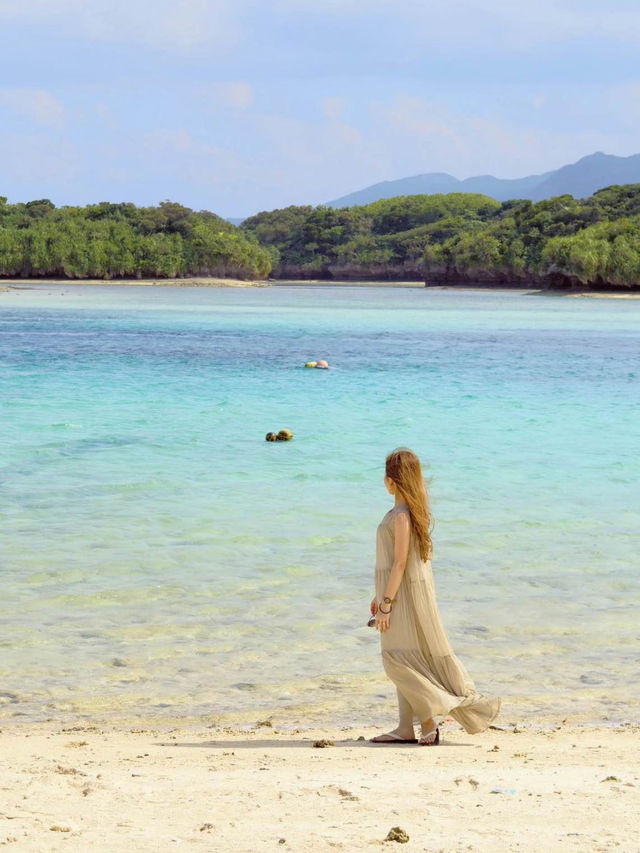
(386, 612)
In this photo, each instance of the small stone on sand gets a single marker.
(398, 834)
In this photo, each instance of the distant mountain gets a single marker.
(579, 179)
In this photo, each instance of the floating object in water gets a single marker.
(283, 435)
(311, 364)
(322, 365)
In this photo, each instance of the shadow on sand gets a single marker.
(302, 743)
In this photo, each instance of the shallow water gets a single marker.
(159, 557)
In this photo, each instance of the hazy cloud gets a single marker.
(469, 20)
(185, 25)
(173, 25)
(553, 20)
(433, 137)
(177, 141)
(193, 159)
(37, 105)
(237, 94)
(333, 107)
(40, 164)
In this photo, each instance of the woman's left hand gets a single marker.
(382, 621)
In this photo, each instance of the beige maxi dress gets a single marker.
(416, 653)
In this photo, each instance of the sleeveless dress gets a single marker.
(416, 653)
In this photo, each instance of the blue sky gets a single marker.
(243, 106)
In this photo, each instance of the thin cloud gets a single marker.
(36, 105)
(179, 26)
(433, 137)
(237, 94)
(333, 107)
(507, 23)
(38, 164)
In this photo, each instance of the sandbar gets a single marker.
(26, 283)
(203, 281)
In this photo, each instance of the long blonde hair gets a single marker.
(403, 467)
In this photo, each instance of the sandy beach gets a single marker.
(84, 787)
(155, 282)
(231, 282)
(606, 295)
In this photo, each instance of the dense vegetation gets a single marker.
(124, 241)
(456, 237)
(462, 237)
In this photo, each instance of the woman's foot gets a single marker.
(429, 733)
(396, 736)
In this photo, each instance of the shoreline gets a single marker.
(82, 787)
(203, 282)
(518, 288)
(510, 723)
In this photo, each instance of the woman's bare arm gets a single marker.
(402, 536)
(402, 531)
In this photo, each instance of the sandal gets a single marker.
(391, 738)
(428, 739)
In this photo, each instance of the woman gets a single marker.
(417, 657)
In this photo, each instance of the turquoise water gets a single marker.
(160, 558)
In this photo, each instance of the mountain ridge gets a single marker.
(580, 179)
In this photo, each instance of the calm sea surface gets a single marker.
(158, 557)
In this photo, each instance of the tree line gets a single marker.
(459, 237)
(561, 241)
(111, 241)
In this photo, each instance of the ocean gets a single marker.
(160, 559)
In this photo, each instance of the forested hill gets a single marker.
(462, 237)
(594, 242)
(124, 241)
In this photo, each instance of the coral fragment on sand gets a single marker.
(396, 833)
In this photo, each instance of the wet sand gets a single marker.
(230, 282)
(84, 787)
(606, 295)
(155, 282)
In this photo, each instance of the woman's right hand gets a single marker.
(374, 607)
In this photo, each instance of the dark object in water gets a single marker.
(283, 435)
